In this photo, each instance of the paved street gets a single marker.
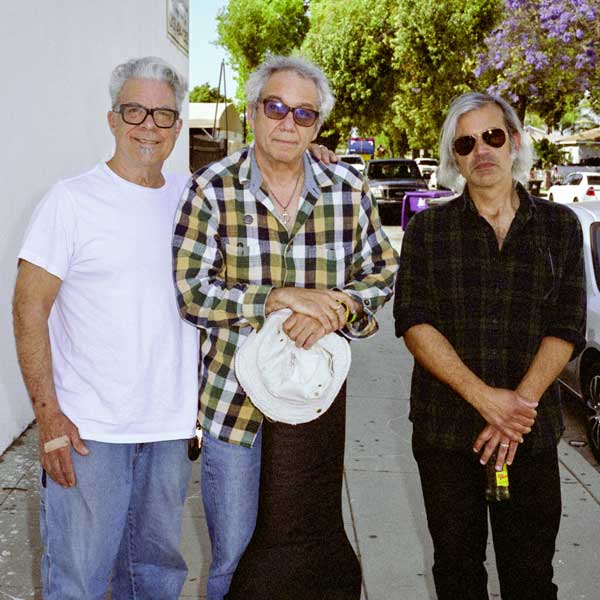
(383, 506)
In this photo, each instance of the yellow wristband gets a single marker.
(350, 316)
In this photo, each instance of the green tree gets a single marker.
(435, 50)
(351, 42)
(548, 154)
(580, 118)
(206, 93)
(250, 29)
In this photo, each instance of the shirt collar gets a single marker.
(315, 175)
(526, 208)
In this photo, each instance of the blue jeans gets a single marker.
(230, 484)
(123, 517)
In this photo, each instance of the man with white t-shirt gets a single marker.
(110, 367)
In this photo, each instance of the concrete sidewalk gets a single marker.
(383, 505)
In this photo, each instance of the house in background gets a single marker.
(215, 131)
(582, 148)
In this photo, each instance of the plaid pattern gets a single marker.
(493, 306)
(230, 250)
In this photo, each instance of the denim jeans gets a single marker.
(524, 528)
(122, 517)
(230, 485)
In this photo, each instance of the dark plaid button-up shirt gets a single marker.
(494, 306)
(230, 249)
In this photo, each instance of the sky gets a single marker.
(205, 57)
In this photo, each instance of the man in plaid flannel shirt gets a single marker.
(264, 229)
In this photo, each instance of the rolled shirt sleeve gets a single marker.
(567, 319)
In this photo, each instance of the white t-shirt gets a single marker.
(124, 362)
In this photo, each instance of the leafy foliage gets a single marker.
(250, 29)
(548, 154)
(395, 65)
(544, 54)
(206, 93)
(351, 42)
(434, 58)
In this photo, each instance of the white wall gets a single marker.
(56, 60)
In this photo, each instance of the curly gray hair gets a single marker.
(448, 173)
(147, 67)
(274, 63)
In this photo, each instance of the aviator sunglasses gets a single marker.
(276, 109)
(494, 137)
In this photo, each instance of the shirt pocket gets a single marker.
(534, 274)
(333, 262)
(243, 261)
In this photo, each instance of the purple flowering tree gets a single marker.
(543, 55)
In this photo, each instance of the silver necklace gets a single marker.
(285, 216)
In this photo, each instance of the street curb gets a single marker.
(580, 469)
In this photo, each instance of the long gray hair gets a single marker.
(275, 63)
(448, 173)
(147, 67)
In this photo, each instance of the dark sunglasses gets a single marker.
(276, 109)
(492, 137)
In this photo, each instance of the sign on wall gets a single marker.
(178, 23)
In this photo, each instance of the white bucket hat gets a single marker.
(289, 384)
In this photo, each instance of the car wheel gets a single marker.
(551, 198)
(576, 199)
(592, 400)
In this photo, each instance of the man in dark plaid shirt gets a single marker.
(268, 228)
(490, 299)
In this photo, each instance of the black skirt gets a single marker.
(299, 550)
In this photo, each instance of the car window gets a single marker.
(593, 179)
(428, 161)
(576, 179)
(595, 245)
(353, 160)
(394, 170)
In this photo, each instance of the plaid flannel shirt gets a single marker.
(493, 306)
(230, 249)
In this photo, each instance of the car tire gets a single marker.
(576, 199)
(551, 198)
(591, 396)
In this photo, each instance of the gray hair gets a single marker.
(302, 67)
(147, 67)
(448, 173)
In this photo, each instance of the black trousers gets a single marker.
(524, 528)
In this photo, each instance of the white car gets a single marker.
(427, 166)
(355, 160)
(576, 187)
(582, 375)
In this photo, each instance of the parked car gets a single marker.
(389, 179)
(434, 185)
(576, 187)
(427, 166)
(582, 375)
(355, 160)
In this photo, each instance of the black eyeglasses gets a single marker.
(276, 109)
(135, 114)
(494, 137)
